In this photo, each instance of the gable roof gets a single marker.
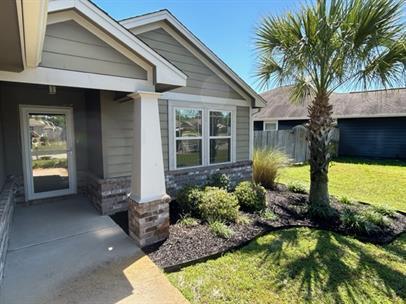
(378, 103)
(166, 16)
(165, 72)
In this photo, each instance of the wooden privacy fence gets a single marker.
(292, 142)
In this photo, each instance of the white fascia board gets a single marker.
(166, 73)
(34, 21)
(48, 76)
(203, 99)
(165, 15)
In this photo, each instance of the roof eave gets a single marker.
(165, 15)
(166, 73)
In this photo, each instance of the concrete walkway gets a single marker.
(63, 251)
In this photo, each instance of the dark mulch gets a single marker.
(188, 245)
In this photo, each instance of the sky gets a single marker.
(227, 27)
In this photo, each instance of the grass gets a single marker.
(300, 265)
(377, 182)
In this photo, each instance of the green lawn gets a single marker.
(375, 182)
(297, 266)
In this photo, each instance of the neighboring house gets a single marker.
(371, 123)
(145, 108)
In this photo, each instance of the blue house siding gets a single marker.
(373, 137)
(289, 124)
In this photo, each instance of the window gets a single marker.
(188, 137)
(220, 137)
(201, 134)
(270, 126)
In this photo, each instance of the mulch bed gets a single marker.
(189, 245)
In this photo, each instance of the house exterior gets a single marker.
(126, 112)
(371, 123)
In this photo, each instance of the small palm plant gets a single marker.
(333, 44)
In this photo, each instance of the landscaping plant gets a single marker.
(219, 180)
(220, 229)
(218, 205)
(325, 46)
(188, 200)
(297, 187)
(265, 166)
(251, 196)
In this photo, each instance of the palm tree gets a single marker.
(332, 44)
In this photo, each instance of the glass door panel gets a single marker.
(49, 152)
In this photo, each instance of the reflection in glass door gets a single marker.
(48, 143)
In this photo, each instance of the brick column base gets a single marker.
(148, 223)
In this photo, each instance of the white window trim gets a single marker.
(219, 137)
(271, 121)
(205, 108)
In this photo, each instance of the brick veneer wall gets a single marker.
(176, 180)
(110, 195)
(6, 216)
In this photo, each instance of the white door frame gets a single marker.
(26, 151)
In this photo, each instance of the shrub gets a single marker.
(269, 215)
(219, 180)
(218, 205)
(242, 219)
(220, 229)
(366, 221)
(49, 163)
(384, 210)
(266, 165)
(188, 200)
(297, 187)
(374, 217)
(251, 196)
(344, 200)
(188, 221)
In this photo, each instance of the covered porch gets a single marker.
(63, 251)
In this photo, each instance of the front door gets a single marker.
(48, 151)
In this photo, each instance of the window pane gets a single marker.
(270, 126)
(188, 123)
(188, 153)
(220, 150)
(220, 123)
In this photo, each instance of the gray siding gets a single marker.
(201, 80)
(163, 117)
(13, 94)
(242, 133)
(373, 137)
(117, 135)
(69, 46)
(2, 165)
(94, 135)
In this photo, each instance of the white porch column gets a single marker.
(148, 211)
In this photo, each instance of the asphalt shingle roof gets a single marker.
(355, 104)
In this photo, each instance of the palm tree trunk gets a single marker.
(320, 130)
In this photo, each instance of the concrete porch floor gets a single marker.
(63, 251)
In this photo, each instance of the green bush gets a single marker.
(220, 229)
(188, 221)
(251, 196)
(345, 200)
(269, 215)
(297, 187)
(49, 163)
(219, 180)
(242, 219)
(366, 221)
(384, 210)
(265, 166)
(188, 200)
(374, 217)
(218, 205)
